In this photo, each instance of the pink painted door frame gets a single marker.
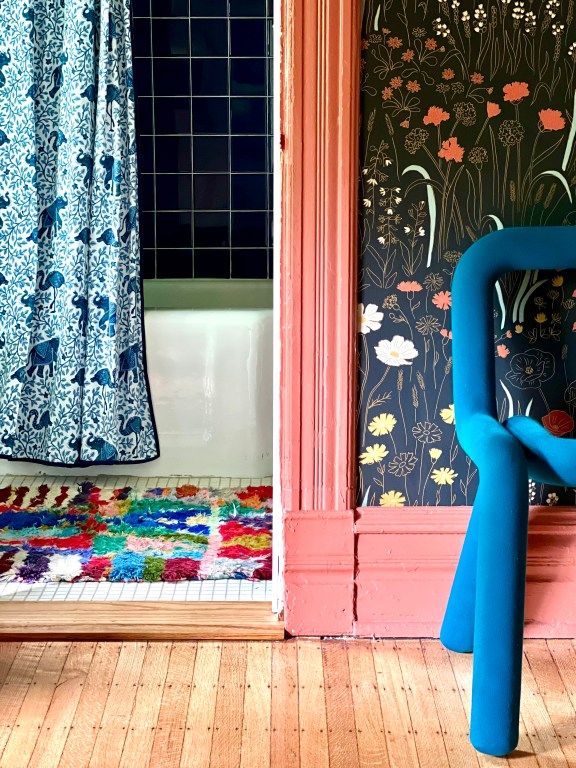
(320, 60)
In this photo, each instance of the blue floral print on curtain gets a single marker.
(73, 384)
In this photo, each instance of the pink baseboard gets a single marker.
(405, 561)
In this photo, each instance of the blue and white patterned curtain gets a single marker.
(73, 384)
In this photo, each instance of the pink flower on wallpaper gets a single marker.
(502, 350)
(435, 116)
(409, 286)
(442, 300)
(551, 119)
(451, 150)
(492, 109)
(446, 333)
(515, 92)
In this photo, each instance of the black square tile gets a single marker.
(148, 264)
(172, 77)
(146, 192)
(140, 8)
(249, 263)
(210, 115)
(170, 8)
(249, 153)
(171, 37)
(172, 115)
(142, 71)
(248, 77)
(247, 7)
(173, 154)
(210, 77)
(211, 192)
(249, 229)
(209, 37)
(141, 37)
(144, 122)
(211, 230)
(249, 192)
(174, 230)
(209, 8)
(174, 264)
(174, 192)
(248, 115)
(248, 37)
(214, 263)
(147, 231)
(211, 154)
(145, 149)
(270, 263)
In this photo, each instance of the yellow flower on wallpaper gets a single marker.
(557, 281)
(540, 317)
(373, 454)
(447, 414)
(392, 499)
(518, 328)
(443, 476)
(435, 453)
(382, 424)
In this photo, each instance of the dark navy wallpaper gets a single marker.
(468, 126)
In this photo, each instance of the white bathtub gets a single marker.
(211, 379)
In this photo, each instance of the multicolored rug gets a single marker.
(86, 533)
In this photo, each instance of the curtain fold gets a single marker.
(73, 383)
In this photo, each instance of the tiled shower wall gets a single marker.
(202, 71)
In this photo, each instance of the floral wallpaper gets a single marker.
(468, 126)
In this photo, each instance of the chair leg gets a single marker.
(457, 633)
(499, 619)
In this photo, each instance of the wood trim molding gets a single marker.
(406, 560)
(320, 60)
(122, 620)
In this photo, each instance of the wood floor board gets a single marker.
(171, 725)
(285, 725)
(124, 620)
(201, 707)
(293, 704)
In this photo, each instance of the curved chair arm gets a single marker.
(507, 250)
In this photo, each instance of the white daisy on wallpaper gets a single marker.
(398, 351)
(369, 319)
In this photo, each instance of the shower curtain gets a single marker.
(73, 383)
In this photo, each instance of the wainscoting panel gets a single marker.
(406, 558)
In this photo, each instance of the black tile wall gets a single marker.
(203, 73)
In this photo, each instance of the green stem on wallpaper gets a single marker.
(431, 206)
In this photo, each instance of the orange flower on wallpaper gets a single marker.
(430, 44)
(448, 74)
(396, 82)
(476, 78)
(551, 119)
(446, 333)
(413, 86)
(407, 55)
(502, 350)
(387, 93)
(451, 150)
(558, 423)
(435, 116)
(405, 124)
(409, 286)
(394, 42)
(515, 92)
(492, 109)
(442, 300)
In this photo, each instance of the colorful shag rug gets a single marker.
(86, 533)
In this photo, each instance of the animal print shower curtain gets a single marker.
(73, 384)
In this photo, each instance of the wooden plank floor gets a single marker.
(309, 703)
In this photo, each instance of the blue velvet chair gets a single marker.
(485, 611)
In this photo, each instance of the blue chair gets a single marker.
(485, 611)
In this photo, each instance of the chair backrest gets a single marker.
(507, 250)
